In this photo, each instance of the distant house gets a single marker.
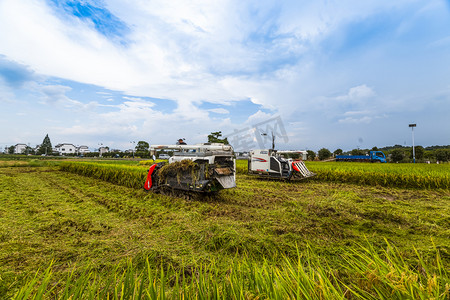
(65, 148)
(20, 148)
(303, 154)
(83, 149)
(102, 150)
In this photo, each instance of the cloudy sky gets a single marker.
(337, 74)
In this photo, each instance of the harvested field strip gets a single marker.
(27, 163)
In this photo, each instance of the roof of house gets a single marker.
(63, 144)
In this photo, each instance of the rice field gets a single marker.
(427, 176)
(423, 176)
(87, 229)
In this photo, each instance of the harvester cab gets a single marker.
(271, 164)
(200, 168)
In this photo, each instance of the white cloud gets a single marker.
(56, 95)
(221, 111)
(286, 56)
(361, 117)
(352, 120)
(357, 93)
(314, 20)
(355, 113)
(258, 117)
(6, 94)
(175, 48)
(185, 51)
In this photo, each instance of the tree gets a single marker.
(442, 154)
(11, 149)
(374, 148)
(311, 155)
(419, 152)
(338, 151)
(214, 138)
(142, 149)
(46, 146)
(29, 150)
(358, 152)
(397, 155)
(324, 153)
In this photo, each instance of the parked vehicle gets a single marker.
(373, 156)
(164, 156)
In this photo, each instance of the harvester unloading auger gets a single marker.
(193, 170)
(269, 163)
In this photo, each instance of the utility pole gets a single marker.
(414, 153)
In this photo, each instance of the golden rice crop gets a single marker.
(150, 162)
(424, 176)
(130, 176)
(392, 175)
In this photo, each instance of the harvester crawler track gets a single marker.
(183, 194)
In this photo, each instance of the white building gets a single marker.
(65, 148)
(103, 150)
(303, 154)
(83, 149)
(20, 148)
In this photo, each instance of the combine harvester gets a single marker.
(193, 170)
(268, 163)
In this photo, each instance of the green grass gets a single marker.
(264, 239)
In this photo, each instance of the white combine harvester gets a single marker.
(193, 169)
(269, 163)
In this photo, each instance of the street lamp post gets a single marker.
(100, 149)
(132, 149)
(414, 153)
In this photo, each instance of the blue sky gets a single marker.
(340, 74)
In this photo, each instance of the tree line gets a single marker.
(396, 153)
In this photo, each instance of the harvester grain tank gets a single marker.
(269, 163)
(373, 156)
(200, 168)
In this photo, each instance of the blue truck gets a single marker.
(373, 156)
